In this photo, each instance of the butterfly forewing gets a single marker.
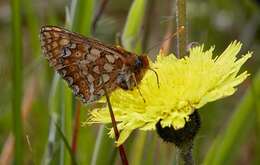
(86, 64)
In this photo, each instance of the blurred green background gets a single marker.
(33, 98)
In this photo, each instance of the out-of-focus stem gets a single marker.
(17, 80)
(184, 154)
(76, 128)
(98, 14)
(181, 22)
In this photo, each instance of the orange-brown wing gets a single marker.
(86, 64)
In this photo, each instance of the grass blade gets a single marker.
(33, 26)
(64, 139)
(138, 148)
(82, 18)
(53, 107)
(132, 30)
(98, 145)
(17, 80)
(66, 120)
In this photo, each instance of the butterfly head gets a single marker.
(140, 67)
(141, 62)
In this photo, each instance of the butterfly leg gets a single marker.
(136, 84)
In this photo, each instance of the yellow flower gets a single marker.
(185, 85)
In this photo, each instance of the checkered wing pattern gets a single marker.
(86, 64)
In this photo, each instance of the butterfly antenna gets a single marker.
(157, 77)
(139, 91)
(165, 39)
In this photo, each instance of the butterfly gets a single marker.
(89, 65)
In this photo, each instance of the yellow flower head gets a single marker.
(185, 85)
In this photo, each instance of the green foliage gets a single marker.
(227, 144)
(131, 35)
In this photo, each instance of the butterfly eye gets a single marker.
(138, 64)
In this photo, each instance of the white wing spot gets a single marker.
(90, 78)
(56, 29)
(108, 67)
(110, 58)
(64, 42)
(49, 41)
(47, 28)
(101, 92)
(105, 77)
(44, 51)
(84, 69)
(75, 89)
(48, 47)
(116, 56)
(73, 46)
(47, 35)
(56, 35)
(92, 57)
(92, 89)
(42, 43)
(95, 52)
(96, 69)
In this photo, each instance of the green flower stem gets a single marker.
(181, 22)
(184, 152)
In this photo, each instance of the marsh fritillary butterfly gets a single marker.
(89, 65)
